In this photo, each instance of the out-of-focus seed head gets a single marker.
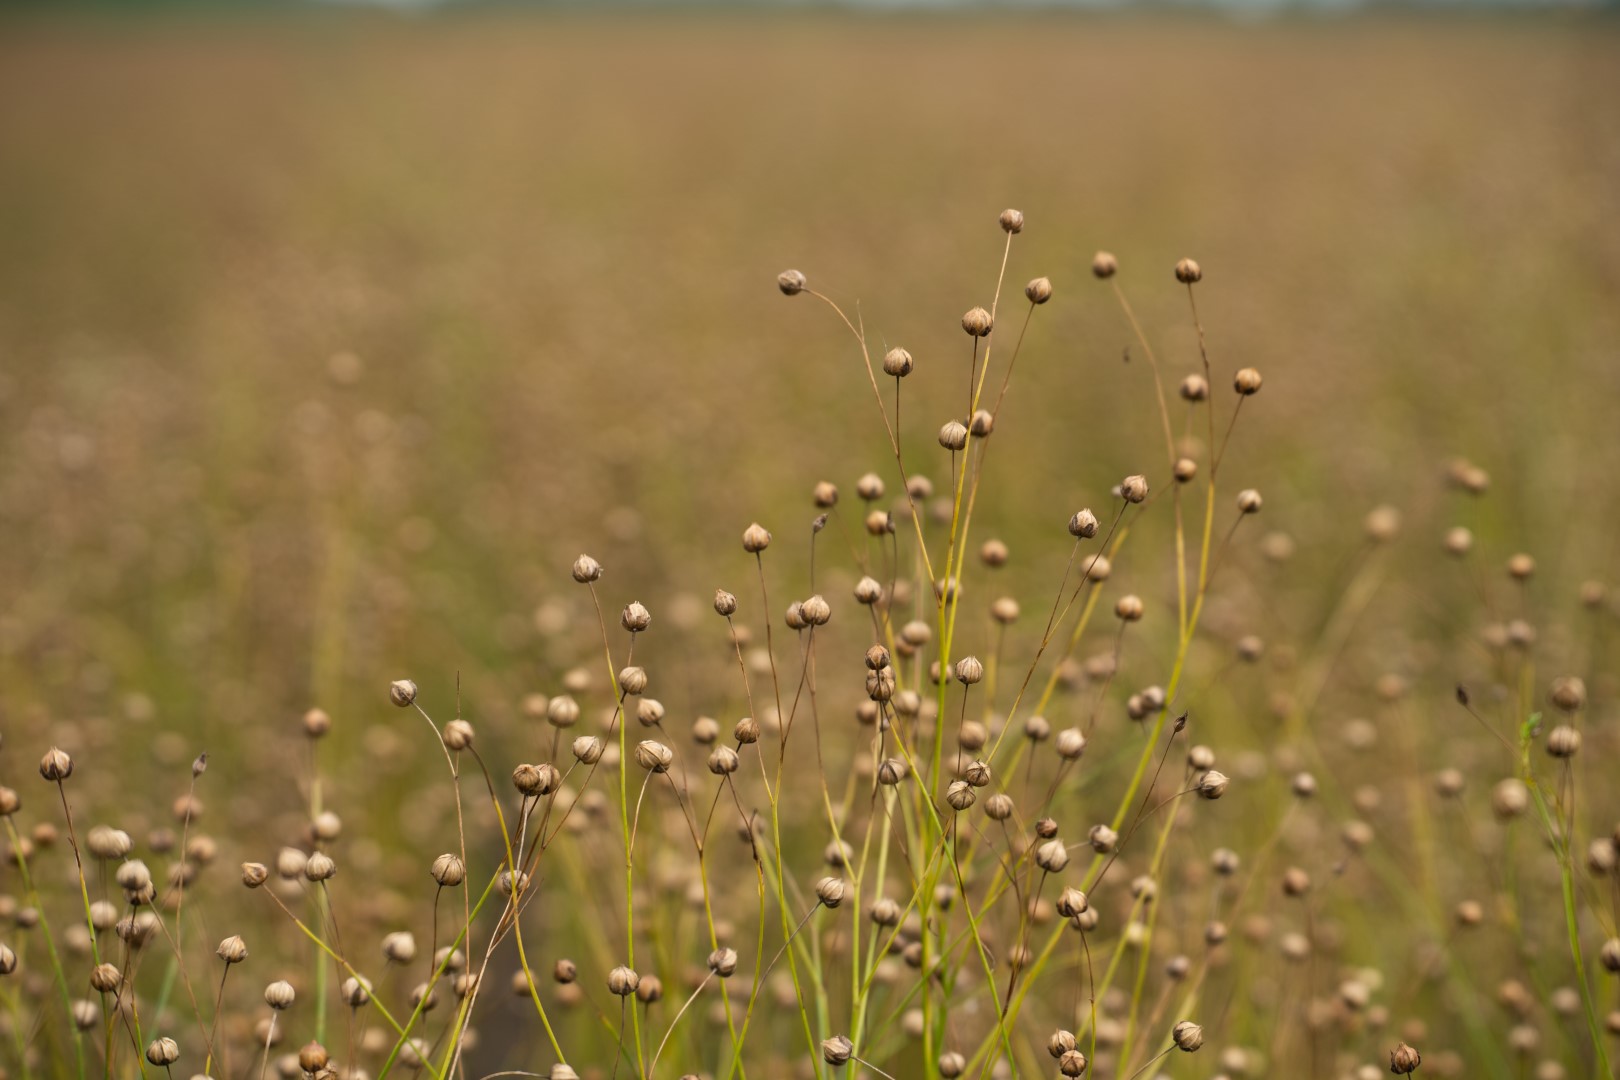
(982, 423)
(1249, 501)
(891, 771)
(1459, 541)
(870, 487)
(105, 978)
(1070, 743)
(56, 765)
(1564, 741)
(402, 692)
(898, 363)
(1247, 381)
(1568, 693)
(316, 723)
(1194, 388)
(755, 539)
(999, 807)
(1103, 839)
(399, 947)
(254, 874)
(458, 735)
(1184, 470)
(1039, 290)
(1509, 798)
(791, 282)
(1303, 785)
(1104, 265)
(587, 570)
(1295, 882)
(977, 322)
(1129, 608)
(1521, 567)
(1188, 272)
(1134, 488)
(320, 867)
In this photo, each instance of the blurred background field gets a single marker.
(327, 342)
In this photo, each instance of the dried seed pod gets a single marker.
(816, 610)
(953, 435)
(830, 891)
(897, 362)
(163, 1052)
(56, 766)
(1072, 1063)
(723, 962)
(1188, 272)
(1039, 290)
(1194, 388)
(1187, 1035)
(1052, 856)
(1129, 608)
(458, 735)
(723, 761)
(1070, 743)
(1247, 381)
(959, 796)
(536, 780)
(1249, 501)
(977, 322)
(233, 950)
(969, 670)
(654, 756)
(312, 1057)
(1212, 785)
(320, 867)
(999, 807)
(724, 603)
(755, 539)
(633, 679)
(635, 617)
(105, 978)
(1134, 488)
(1103, 839)
(1071, 902)
(449, 871)
(587, 570)
(399, 947)
(280, 995)
(622, 981)
(1404, 1059)
(402, 692)
(254, 874)
(588, 749)
(791, 282)
(1083, 525)
(837, 1051)
(1104, 265)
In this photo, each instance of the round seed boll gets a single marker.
(1039, 290)
(959, 796)
(830, 891)
(1188, 272)
(163, 1052)
(1072, 1063)
(816, 610)
(587, 570)
(399, 947)
(723, 962)
(317, 723)
(622, 981)
(588, 749)
(724, 603)
(232, 950)
(969, 670)
(1194, 388)
(633, 679)
(755, 539)
(1247, 381)
(999, 807)
(635, 617)
(1129, 608)
(977, 322)
(953, 435)
(280, 995)
(56, 765)
(254, 874)
(981, 424)
(458, 735)
(105, 978)
(1563, 741)
(1071, 902)
(402, 692)
(837, 1051)
(791, 282)
(1212, 785)
(448, 870)
(1185, 470)
(1104, 265)
(320, 867)
(1134, 488)
(723, 761)
(1012, 221)
(654, 756)
(1052, 856)
(1249, 501)
(1187, 1036)
(1083, 525)
(951, 1064)
(898, 363)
